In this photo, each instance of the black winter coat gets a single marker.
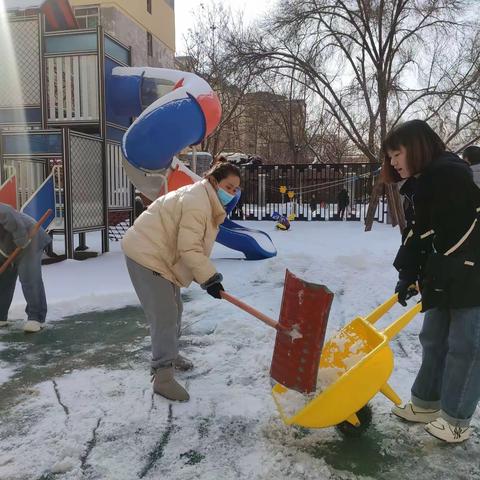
(441, 206)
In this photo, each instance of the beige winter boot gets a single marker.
(164, 384)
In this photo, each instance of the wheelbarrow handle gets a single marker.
(31, 234)
(402, 321)
(252, 311)
(382, 309)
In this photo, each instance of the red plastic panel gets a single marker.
(8, 192)
(59, 15)
(306, 307)
(178, 179)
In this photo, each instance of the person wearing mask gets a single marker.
(167, 248)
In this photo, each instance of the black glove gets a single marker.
(213, 285)
(406, 289)
(215, 289)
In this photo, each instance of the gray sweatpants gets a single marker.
(162, 304)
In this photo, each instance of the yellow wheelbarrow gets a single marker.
(354, 366)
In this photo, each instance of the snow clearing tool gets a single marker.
(32, 233)
(355, 365)
(300, 332)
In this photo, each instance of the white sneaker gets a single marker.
(443, 430)
(412, 413)
(32, 326)
(3, 323)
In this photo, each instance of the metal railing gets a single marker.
(310, 192)
(119, 187)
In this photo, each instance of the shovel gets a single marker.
(300, 332)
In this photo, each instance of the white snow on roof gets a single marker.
(21, 4)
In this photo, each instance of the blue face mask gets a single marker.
(224, 197)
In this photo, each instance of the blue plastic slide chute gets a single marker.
(42, 200)
(174, 109)
(254, 244)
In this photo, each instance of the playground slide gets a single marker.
(254, 244)
(174, 110)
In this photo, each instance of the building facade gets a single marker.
(270, 126)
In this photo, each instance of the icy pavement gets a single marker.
(76, 400)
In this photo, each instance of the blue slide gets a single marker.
(254, 244)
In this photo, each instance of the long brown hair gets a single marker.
(421, 143)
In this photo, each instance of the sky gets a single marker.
(185, 14)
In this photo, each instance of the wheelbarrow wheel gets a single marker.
(365, 417)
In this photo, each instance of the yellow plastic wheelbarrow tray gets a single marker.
(360, 358)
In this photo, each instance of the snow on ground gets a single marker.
(76, 399)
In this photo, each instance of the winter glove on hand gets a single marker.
(215, 289)
(213, 285)
(406, 289)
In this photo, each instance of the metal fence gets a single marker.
(119, 186)
(20, 65)
(86, 174)
(311, 192)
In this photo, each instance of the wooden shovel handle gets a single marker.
(247, 308)
(32, 233)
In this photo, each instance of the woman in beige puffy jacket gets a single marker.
(168, 247)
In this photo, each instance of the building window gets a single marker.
(149, 6)
(149, 44)
(87, 17)
(22, 13)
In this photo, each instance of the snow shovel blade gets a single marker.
(305, 309)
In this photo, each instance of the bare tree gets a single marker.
(372, 62)
(209, 55)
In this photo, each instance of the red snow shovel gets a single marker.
(300, 332)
